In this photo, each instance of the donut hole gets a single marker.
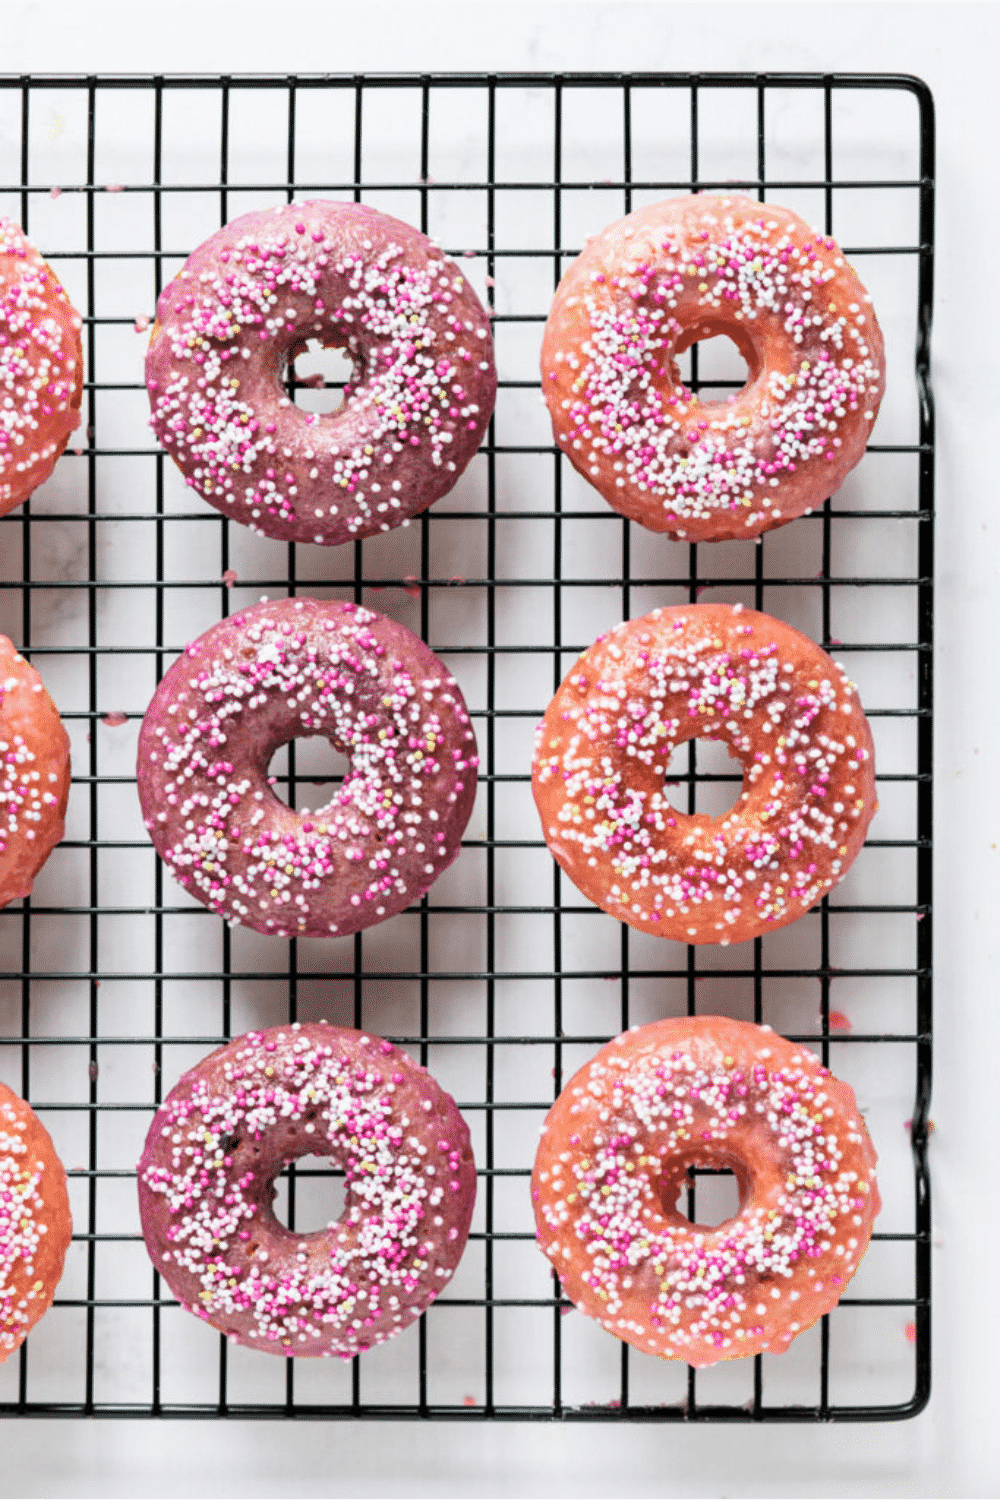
(316, 376)
(306, 773)
(704, 778)
(707, 1196)
(716, 368)
(311, 1195)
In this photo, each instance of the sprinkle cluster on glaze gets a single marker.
(392, 826)
(800, 735)
(25, 790)
(627, 408)
(716, 1287)
(380, 1265)
(420, 362)
(22, 1227)
(39, 372)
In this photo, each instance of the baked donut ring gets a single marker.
(249, 299)
(786, 712)
(41, 367)
(270, 674)
(225, 1131)
(615, 1151)
(34, 774)
(689, 269)
(35, 1224)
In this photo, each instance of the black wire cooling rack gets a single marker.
(112, 981)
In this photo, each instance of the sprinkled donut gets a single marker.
(35, 1225)
(216, 1146)
(689, 269)
(785, 711)
(709, 1092)
(34, 774)
(248, 300)
(270, 674)
(41, 367)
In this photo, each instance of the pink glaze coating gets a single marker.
(276, 672)
(693, 268)
(41, 367)
(34, 774)
(226, 1130)
(35, 1223)
(348, 277)
(614, 1155)
(783, 708)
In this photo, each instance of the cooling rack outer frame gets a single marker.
(828, 85)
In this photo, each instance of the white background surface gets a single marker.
(953, 1448)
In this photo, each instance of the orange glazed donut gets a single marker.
(783, 708)
(41, 368)
(35, 1225)
(615, 1150)
(34, 774)
(689, 269)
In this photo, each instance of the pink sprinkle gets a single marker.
(229, 577)
(931, 1127)
(55, 192)
(469, 254)
(114, 187)
(468, 1400)
(455, 580)
(911, 1333)
(141, 323)
(490, 281)
(114, 719)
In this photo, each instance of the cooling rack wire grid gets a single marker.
(503, 980)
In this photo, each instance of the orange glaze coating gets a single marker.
(41, 367)
(783, 708)
(35, 1225)
(615, 1150)
(34, 774)
(693, 268)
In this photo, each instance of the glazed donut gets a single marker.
(784, 710)
(689, 269)
(225, 1131)
(35, 1224)
(41, 367)
(34, 774)
(291, 668)
(248, 300)
(614, 1155)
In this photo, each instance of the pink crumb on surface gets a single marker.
(229, 577)
(840, 1022)
(468, 1401)
(113, 720)
(141, 323)
(411, 586)
(911, 1333)
(55, 192)
(114, 187)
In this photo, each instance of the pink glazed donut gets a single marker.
(348, 277)
(219, 1141)
(293, 668)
